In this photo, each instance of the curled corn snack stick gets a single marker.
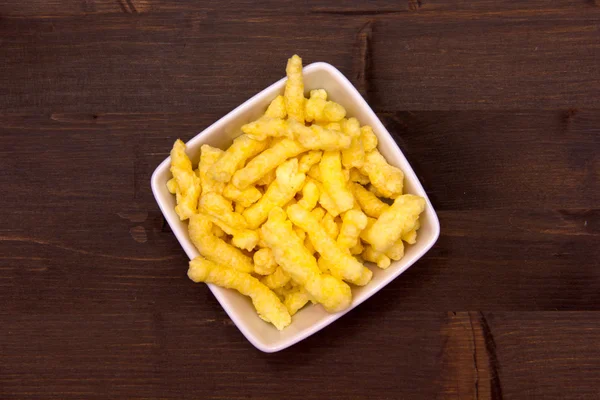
(334, 181)
(280, 192)
(265, 127)
(296, 260)
(309, 159)
(380, 259)
(397, 220)
(410, 237)
(327, 202)
(220, 208)
(315, 137)
(277, 108)
(245, 197)
(264, 262)
(265, 162)
(368, 138)
(353, 223)
(214, 248)
(172, 186)
(369, 203)
(241, 238)
(294, 89)
(266, 303)
(353, 156)
(318, 109)
(343, 265)
(279, 278)
(186, 183)
(387, 179)
(208, 156)
(310, 195)
(295, 299)
(396, 252)
(330, 226)
(243, 148)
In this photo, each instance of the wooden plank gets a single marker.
(181, 353)
(445, 57)
(280, 7)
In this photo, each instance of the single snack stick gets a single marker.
(294, 89)
(326, 201)
(334, 181)
(245, 197)
(353, 223)
(396, 252)
(298, 262)
(387, 179)
(318, 109)
(397, 220)
(185, 184)
(310, 195)
(328, 223)
(342, 264)
(214, 248)
(266, 127)
(267, 304)
(368, 138)
(295, 299)
(220, 208)
(353, 156)
(410, 237)
(241, 238)
(315, 137)
(277, 108)
(380, 259)
(265, 162)
(172, 185)
(243, 148)
(369, 203)
(208, 156)
(285, 187)
(279, 278)
(264, 262)
(309, 159)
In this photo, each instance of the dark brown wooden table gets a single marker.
(495, 103)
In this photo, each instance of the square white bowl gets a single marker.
(221, 134)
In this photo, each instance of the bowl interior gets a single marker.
(221, 134)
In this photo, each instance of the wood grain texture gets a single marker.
(180, 354)
(494, 103)
(172, 56)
